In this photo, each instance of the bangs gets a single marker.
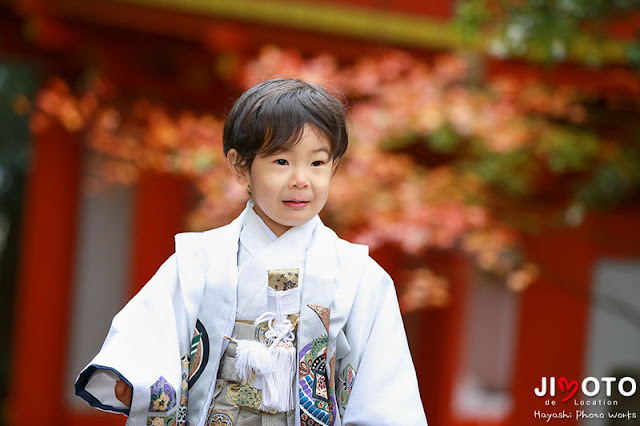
(281, 121)
(283, 138)
(271, 117)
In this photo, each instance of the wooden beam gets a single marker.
(328, 18)
(371, 24)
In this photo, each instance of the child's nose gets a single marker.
(299, 178)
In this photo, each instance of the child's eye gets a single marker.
(281, 162)
(317, 163)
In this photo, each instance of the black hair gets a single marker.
(271, 116)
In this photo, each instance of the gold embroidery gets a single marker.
(283, 279)
(243, 395)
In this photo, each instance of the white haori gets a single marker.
(352, 350)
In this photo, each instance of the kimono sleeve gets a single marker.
(376, 382)
(141, 348)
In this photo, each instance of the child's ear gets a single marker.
(334, 166)
(238, 167)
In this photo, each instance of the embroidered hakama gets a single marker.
(238, 401)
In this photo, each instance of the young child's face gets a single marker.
(290, 187)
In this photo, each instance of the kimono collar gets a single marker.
(255, 236)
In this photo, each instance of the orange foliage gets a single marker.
(399, 183)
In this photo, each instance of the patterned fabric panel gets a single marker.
(220, 418)
(163, 396)
(316, 399)
(345, 383)
(283, 279)
(237, 404)
(164, 408)
(162, 421)
(199, 356)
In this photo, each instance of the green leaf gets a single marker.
(569, 150)
(511, 172)
(613, 182)
(444, 139)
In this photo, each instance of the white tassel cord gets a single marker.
(252, 360)
(272, 365)
(255, 366)
(284, 355)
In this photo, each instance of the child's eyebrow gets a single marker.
(315, 151)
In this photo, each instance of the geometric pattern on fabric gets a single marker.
(184, 393)
(316, 404)
(220, 418)
(244, 395)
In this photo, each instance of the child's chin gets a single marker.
(298, 221)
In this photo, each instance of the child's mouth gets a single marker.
(295, 204)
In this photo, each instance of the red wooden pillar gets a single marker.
(553, 321)
(160, 210)
(46, 275)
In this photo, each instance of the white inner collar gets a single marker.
(256, 235)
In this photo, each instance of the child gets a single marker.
(272, 319)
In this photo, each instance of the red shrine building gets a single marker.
(479, 360)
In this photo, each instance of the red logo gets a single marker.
(568, 386)
(590, 386)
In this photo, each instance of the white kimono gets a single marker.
(354, 363)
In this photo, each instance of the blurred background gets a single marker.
(493, 168)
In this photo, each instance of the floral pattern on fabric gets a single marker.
(345, 384)
(283, 279)
(243, 395)
(161, 421)
(163, 403)
(220, 418)
(163, 396)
